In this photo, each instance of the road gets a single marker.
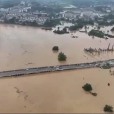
(38, 70)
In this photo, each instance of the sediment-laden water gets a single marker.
(24, 47)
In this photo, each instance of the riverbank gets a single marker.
(39, 27)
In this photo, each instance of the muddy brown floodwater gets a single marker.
(57, 92)
(25, 47)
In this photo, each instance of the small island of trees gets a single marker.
(58, 31)
(88, 88)
(96, 33)
(62, 57)
(55, 48)
(108, 108)
(99, 34)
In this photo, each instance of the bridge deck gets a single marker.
(54, 68)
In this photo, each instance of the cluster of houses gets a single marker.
(74, 14)
(23, 13)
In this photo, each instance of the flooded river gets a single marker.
(24, 47)
(57, 92)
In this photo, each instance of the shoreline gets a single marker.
(39, 27)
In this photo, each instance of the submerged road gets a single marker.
(20, 72)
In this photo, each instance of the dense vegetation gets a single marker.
(85, 22)
(108, 108)
(87, 87)
(15, 21)
(96, 33)
(55, 48)
(48, 23)
(51, 23)
(62, 57)
(99, 34)
(80, 23)
(64, 31)
(76, 27)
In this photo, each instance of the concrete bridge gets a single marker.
(20, 72)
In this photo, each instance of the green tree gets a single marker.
(108, 108)
(87, 87)
(55, 48)
(97, 33)
(62, 57)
